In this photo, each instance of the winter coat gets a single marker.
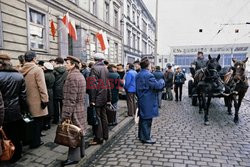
(98, 85)
(85, 72)
(199, 63)
(147, 88)
(130, 85)
(179, 78)
(1, 110)
(74, 91)
(50, 80)
(169, 78)
(158, 75)
(115, 83)
(121, 73)
(12, 87)
(60, 77)
(36, 89)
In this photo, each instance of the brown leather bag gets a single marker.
(68, 135)
(8, 147)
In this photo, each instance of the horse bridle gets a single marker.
(209, 73)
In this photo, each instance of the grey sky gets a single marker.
(180, 21)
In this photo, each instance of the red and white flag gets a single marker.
(72, 30)
(70, 26)
(53, 29)
(102, 38)
(105, 40)
(65, 20)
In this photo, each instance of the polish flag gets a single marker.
(102, 38)
(72, 30)
(105, 40)
(53, 29)
(65, 20)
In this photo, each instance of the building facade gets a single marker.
(138, 30)
(25, 25)
(163, 60)
(185, 55)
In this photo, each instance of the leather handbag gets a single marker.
(111, 113)
(8, 147)
(91, 116)
(68, 135)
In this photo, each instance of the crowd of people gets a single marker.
(62, 89)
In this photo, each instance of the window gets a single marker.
(138, 43)
(1, 30)
(93, 40)
(128, 11)
(165, 60)
(138, 20)
(131, 59)
(37, 30)
(116, 19)
(70, 45)
(144, 26)
(133, 16)
(129, 41)
(134, 41)
(93, 7)
(106, 12)
(144, 47)
(159, 60)
(116, 52)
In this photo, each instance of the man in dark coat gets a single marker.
(179, 80)
(85, 71)
(50, 80)
(115, 83)
(60, 73)
(146, 91)
(159, 75)
(73, 107)
(200, 62)
(99, 97)
(169, 79)
(130, 88)
(120, 70)
(12, 87)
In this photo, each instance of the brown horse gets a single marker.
(237, 83)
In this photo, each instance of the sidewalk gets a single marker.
(51, 154)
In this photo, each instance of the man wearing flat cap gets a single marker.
(74, 90)
(37, 95)
(99, 96)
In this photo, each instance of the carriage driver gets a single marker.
(200, 62)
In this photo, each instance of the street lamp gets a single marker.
(156, 31)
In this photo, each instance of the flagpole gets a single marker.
(156, 31)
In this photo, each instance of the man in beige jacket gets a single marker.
(37, 96)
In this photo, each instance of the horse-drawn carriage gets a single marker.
(211, 82)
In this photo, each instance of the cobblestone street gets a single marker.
(184, 140)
